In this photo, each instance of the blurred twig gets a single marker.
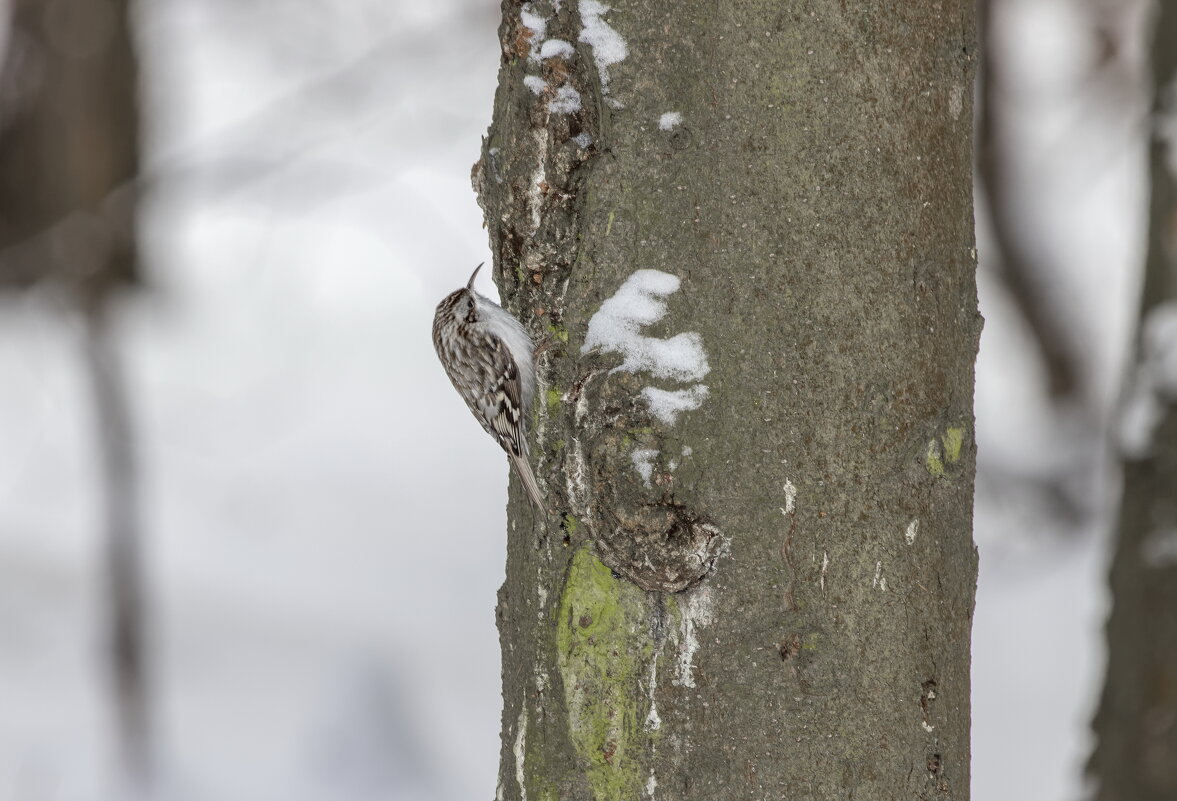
(1015, 266)
(124, 574)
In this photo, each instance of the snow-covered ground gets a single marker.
(324, 517)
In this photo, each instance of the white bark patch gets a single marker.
(880, 582)
(669, 121)
(616, 328)
(643, 462)
(539, 391)
(536, 84)
(651, 785)
(825, 564)
(494, 153)
(913, 528)
(696, 610)
(928, 727)
(520, 751)
(535, 193)
(956, 101)
(608, 46)
(790, 497)
(653, 719)
(576, 476)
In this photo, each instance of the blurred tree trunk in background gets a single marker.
(768, 593)
(69, 153)
(1016, 263)
(1135, 758)
(69, 144)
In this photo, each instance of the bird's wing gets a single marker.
(495, 396)
(498, 402)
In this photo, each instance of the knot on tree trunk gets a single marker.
(644, 528)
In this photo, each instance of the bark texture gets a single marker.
(770, 596)
(1135, 758)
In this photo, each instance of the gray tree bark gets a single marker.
(1135, 758)
(769, 593)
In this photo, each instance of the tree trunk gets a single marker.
(69, 155)
(1135, 758)
(69, 145)
(744, 234)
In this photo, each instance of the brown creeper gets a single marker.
(490, 360)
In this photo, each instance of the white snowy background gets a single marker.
(325, 520)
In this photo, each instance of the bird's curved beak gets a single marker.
(472, 277)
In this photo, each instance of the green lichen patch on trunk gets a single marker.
(604, 644)
(945, 452)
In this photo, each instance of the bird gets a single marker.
(490, 360)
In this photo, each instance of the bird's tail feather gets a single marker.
(528, 478)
